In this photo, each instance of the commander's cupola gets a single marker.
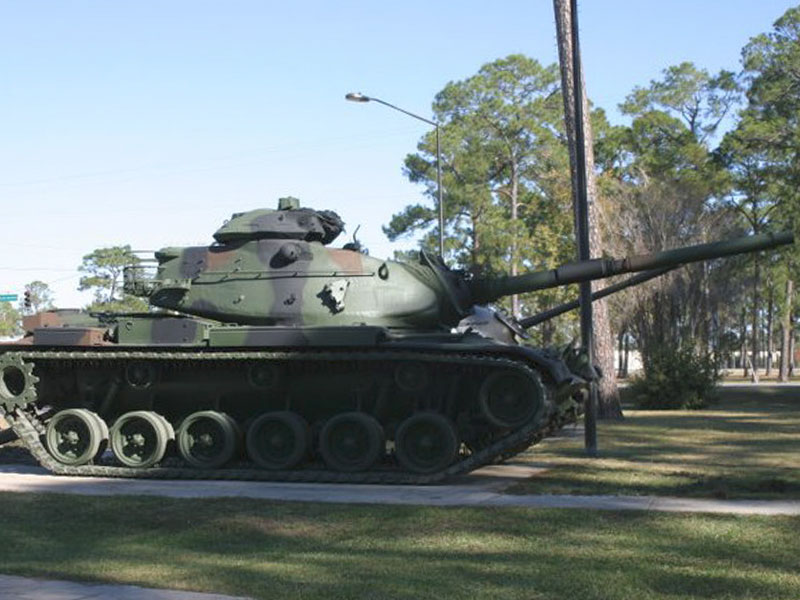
(289, 222)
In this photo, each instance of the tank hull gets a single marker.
(496, 399)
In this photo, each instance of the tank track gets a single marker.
(29, 427)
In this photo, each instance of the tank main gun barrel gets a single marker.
(486, 290)
(552, 313)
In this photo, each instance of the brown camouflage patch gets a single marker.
(348, 260)
(218, 257)
(58, 318)
(42, 319)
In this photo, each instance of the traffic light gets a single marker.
(27, 300)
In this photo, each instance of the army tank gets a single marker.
(269, 355)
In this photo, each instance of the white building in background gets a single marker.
(634, 361)
(733, 364)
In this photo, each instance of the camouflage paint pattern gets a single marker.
(279, 282)
(290, 222)
(161, 330)
(59, 318)
(272, 268)
(71, 336)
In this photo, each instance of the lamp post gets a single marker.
(359, 97)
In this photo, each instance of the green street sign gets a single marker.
(8, 297)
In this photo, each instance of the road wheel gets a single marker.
(278, 440)
(139, 439)
(75, 436)
(351, 441)
(426, 443)
(208, 439)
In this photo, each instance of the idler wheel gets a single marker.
(76, 436)
(139, 439)
(351, 442)
(208, 439)
(509, 399)
(278, 440)
(426, 443)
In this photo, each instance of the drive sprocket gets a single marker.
(17, 382)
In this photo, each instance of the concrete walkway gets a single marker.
(483, 487)
(28, 588)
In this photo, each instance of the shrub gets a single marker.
(675, 379)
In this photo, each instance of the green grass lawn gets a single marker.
(304, 550)
(745, 446)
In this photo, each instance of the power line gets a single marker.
(23, 269)
(60, 279)
(236, 158)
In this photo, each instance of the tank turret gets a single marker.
(272, 267)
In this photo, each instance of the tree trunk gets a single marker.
(770, 341)
(791, 346)
(603, 341)
(515, 309)
(754, 317)
(713, 333)
(548, 330)
(627, 354)
(706, 314)
(476, 245)
(786, 334)
(743, 337)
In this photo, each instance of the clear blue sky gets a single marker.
(149, 122)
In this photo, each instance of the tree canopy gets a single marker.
(40, 295)
(10, 320)
(702, 156)
(505, 174)
(104, 268)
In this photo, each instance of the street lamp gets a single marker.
(359, 97)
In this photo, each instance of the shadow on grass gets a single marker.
(581, 480)
(268, 550)
(744, 447)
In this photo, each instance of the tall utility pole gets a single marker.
(582, 226)
(603, 340)
(572, 89)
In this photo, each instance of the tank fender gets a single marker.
(554, 367)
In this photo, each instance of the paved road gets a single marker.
(28, 588)
(483, 487)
